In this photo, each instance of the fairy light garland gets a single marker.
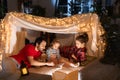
(79, 21)
(2, 39)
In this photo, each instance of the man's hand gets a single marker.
(50, 64)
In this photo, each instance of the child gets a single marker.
(53, 54)
(78, 53)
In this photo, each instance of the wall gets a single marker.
(47, 4)
(12, 5)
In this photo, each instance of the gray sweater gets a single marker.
(53, 51)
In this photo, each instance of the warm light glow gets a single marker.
(82, 23)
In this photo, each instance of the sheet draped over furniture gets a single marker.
(14, 23)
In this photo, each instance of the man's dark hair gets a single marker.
(39, 40)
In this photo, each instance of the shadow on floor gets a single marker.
(33, 76)
(89, 60)
(98, 71)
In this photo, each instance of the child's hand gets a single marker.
(53, 56)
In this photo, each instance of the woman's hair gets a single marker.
(83, 37)
(54, 41)
(39, 40)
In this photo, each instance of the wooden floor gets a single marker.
(45, 73)
(33, 76)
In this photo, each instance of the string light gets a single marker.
(83, 23)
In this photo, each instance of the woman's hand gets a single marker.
(73, 56)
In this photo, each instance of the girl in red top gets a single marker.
(78, 53)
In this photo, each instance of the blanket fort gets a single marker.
(13, 23)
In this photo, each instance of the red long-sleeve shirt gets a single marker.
(80, 53)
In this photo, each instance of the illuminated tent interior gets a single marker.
(13, 30)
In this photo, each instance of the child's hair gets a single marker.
(83, 37)
(54, 41)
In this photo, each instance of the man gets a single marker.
(29, 54)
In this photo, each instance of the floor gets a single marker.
(33, 76)
(44, 73)
(99, 71)
(93, 71)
